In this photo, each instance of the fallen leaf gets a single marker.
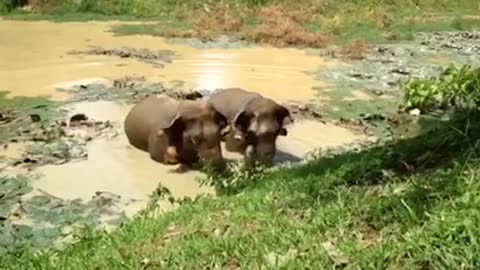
(415, 112)
(35, 118)
(335, 254)
(408, 167)
(222, 231)
(78, 118)
(145, 262)
(171, 233)
(377, 92)
(388, 173)
(425, 157)
(278, 260)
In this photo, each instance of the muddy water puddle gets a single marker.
(13, 151)
(308, 135)
(115, 166)
(36, 59)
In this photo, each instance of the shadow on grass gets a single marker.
(400, 181)
(429, 165)
(400, 158)
(282, 156)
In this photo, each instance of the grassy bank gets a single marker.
(407, 205)
(309, 23)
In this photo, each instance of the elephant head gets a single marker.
(194, 134)
(174, 131)
(259, 124)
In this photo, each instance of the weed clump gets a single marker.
(283, 27)
(357, 49)
(234, 178)
(5, 6)
(456, 88)
(218, 20)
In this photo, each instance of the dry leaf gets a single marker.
(335, 254)
(278, 260)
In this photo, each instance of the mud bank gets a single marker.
(385, 67)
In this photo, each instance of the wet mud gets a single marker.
(385, 67)
(157, 58)
(371, 85)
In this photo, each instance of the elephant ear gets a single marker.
(174, 129)
(222, 123)
(242, 120)
(220, 119)
(284, 119)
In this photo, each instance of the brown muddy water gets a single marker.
(35, 61)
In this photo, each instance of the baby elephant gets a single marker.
(174, 132)
(255, 123)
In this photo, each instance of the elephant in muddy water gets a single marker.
(255, 122)
(176, 131)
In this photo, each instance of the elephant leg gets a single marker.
(249, 156)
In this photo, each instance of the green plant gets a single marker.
(6, 5)
(234, 178)
(455, 88)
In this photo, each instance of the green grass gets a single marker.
(375, 211)
(403, 27)
(23, 103)
(161, 29)
(350, 30)
(68, 17)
